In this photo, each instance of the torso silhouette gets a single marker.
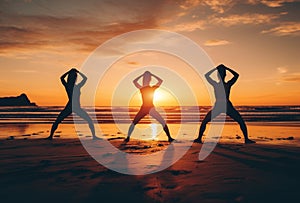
(222, 92)
(147, 95)
(73, 99)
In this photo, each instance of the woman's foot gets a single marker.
(49, 138)
(170, 139)
(198, 140)
(248, 141)
(127, 139)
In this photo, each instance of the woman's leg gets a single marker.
(235, 115)
(161, 120)
(141, 114)
(209, 116)
(83, 114)
(62, 115)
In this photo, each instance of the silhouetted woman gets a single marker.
(74, 100)
(147, 107)
(219, 88)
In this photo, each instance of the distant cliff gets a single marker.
(21, 100)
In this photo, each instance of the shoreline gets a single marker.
(231, 133)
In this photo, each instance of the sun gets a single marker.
(161, 97)
(164, 98)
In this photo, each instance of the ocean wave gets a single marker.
(189, 114)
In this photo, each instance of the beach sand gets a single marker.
(61, 170)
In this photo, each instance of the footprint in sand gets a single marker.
(115, 138)
(149, 188)
(285, 138)
(179, 172)
(238, 137)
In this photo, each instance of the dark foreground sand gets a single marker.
(62, 171)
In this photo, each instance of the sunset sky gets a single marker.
(260, 39)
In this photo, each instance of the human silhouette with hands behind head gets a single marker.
(73, 105)
(148, 107)
(219, 88)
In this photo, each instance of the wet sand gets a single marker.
(62, 171)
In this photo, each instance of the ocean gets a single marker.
(271, 124)
(191, 114)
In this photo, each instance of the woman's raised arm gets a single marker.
(62, 78)
(159, 80)
(84, 79)
(136, 83)
(235, 76)
(208, 78)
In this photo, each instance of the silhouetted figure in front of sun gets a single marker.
(73, 91)
(148, 107)
(221, 98)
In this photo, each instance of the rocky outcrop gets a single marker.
(21, 100)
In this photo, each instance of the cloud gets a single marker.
(81, 26)
(188, 4)
(133, 63)
(189, 26)
(18, 39)
(216, 42)
(271, 3)
(289, 28)
(25, 71)
(282, 69)
(295, 77)
(224, 20)
(196, 14)
(219, 6)
(51, 33)
(181, 14)
(249, 18)
(86, 28)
